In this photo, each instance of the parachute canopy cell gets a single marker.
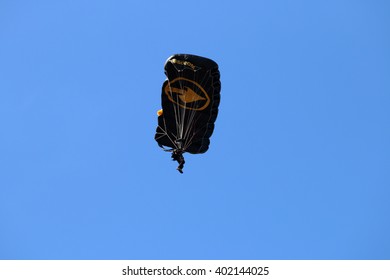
(190, 98)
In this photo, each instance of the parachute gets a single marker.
(190, 98)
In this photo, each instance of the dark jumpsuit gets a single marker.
(178, 156)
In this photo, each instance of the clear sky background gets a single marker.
(298, 166)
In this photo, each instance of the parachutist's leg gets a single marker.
(181, 162)
(178, 156)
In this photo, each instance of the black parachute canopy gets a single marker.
(190, 98)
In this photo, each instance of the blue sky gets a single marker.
(298, 166)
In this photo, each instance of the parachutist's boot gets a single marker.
(180, 170)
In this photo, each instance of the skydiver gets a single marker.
(178, 156)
